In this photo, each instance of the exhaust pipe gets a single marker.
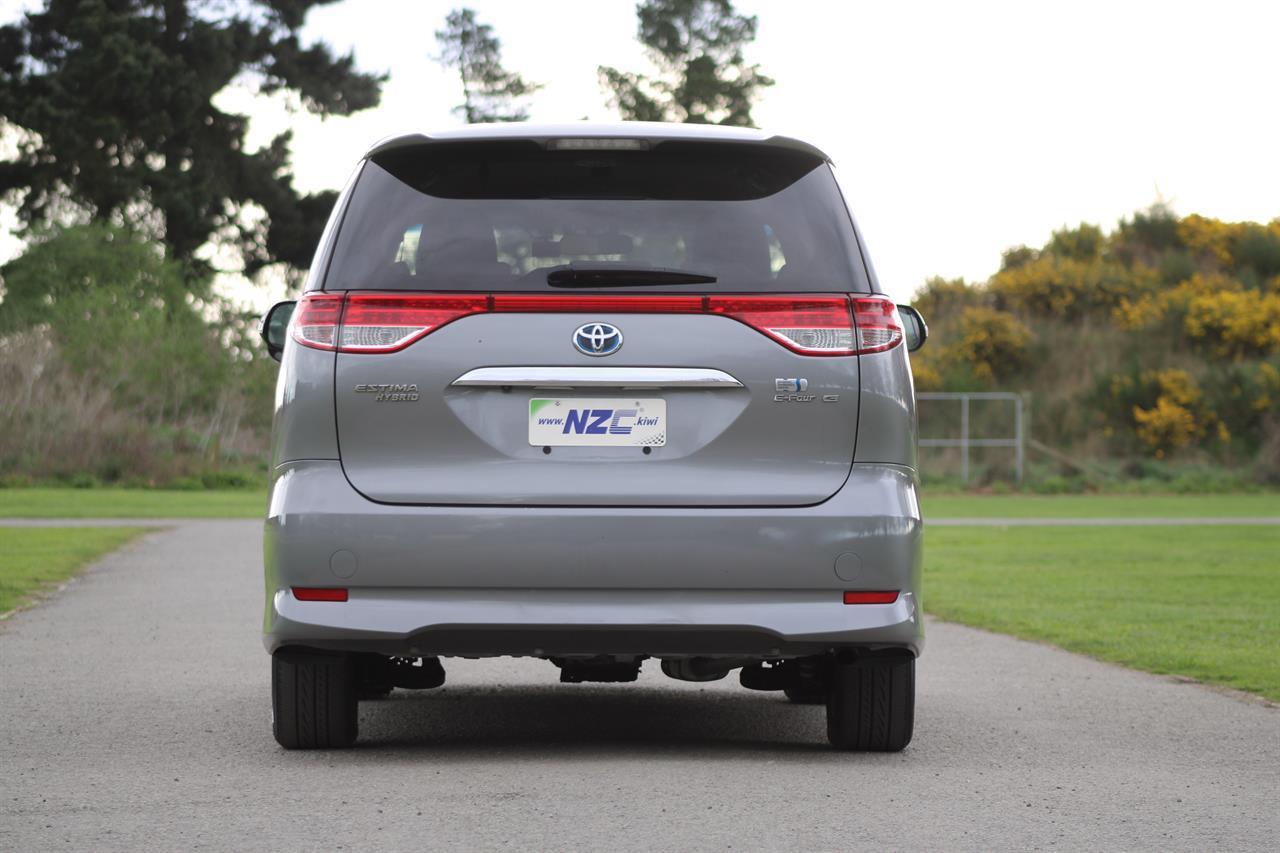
(701, 669)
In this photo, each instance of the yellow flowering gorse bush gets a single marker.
(993, 343)
(1164, 427)
(1235, 323)
(1171, 423)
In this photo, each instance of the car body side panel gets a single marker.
(304, 426)
(886, 409)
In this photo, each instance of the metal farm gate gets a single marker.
(1017, 441)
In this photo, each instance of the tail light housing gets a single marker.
(812, 325)
(809, 325)
(878, 325)
(315, 321)
(380, 322)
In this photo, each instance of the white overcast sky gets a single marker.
(958, 129)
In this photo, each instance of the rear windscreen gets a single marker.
(502, 215)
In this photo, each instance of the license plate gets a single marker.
(602, 422)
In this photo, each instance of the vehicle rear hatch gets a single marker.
(520, 323)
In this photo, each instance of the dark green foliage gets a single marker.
(1176, 266)
(112, 368)
(489, 91)
(1258, 248)
(111, 105)
(120, 316)
(1082, 243)
(702, 76)
(946, 297)
(1234, 397)
(1155, 228)
(1017, 256)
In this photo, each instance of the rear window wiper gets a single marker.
(576, 276)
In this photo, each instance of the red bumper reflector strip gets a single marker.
(870, 597)
(319, 593)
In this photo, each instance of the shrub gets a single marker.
(1258, 247)
(1164, 427)
(993, 343)
(114, 365)
(1176, 266)
(1235, 323)
(1155, 229)
(1083, 243)
(926, 376)
(1069, 287)
(1155, 411)
(942, 297)
(1017, 256)
(1209, 237)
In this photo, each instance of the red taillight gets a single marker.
(382, 322)
(315, 322)
(876, 319)
(320, 593)
(871, 597)
(809, 325)
(821, 325)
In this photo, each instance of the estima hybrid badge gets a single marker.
(597, 339)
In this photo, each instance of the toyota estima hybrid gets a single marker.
(595, 395)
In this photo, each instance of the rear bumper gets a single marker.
(449, 580)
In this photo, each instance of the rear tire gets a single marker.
(871, 703)
(313, 699)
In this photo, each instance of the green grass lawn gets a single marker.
(131, 503)
(36, 558)
(1099, 506)
(1198, 601)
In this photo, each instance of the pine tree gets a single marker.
(702, 77)
(111, 105)
(489, 92)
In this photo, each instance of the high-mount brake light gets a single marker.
(812, 324)
(878, 325)
(598, 143)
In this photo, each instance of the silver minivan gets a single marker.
(594, 394)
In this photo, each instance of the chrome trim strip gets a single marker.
(596, 377)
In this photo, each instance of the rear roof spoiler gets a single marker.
(654, 133)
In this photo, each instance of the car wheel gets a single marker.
(313, 700)
(871, 703)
